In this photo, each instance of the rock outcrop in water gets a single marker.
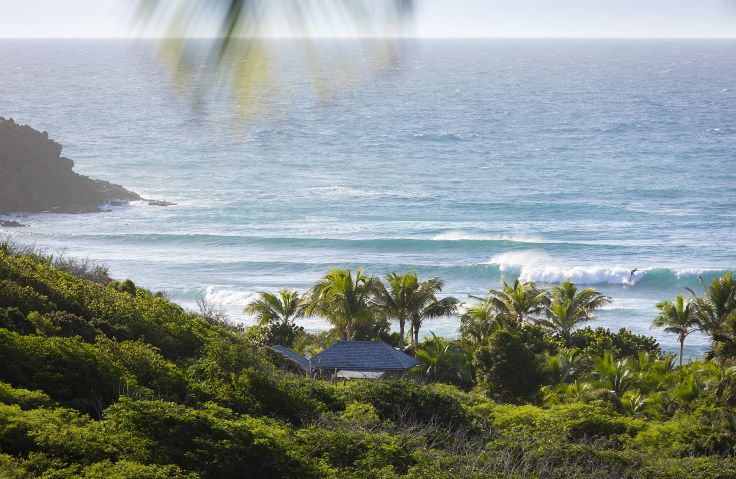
(34, 177)
(11, 224)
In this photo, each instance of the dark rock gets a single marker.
(11, 224)
(34, 177)
(66, 162)
(160, 203)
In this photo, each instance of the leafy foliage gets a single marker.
(570, 307)
(344, 300)
(508, 368)
(106, 379)
(409, 300)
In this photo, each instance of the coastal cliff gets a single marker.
(34, 177)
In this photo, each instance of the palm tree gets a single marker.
(445, 360)
(343, 300)
(408, 299)
(283, 308)
(521, 300)
(679, 317)
(571, 307)
(634, 403)
(565, 366)
(717, 303)
(724, 340)
(480, 321)
(425, 305)
(240, 57)
(398, 300)
(614, 375)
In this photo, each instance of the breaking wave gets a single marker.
(539, 267)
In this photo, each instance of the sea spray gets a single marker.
(538, 266)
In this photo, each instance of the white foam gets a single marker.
(341, 191)
(537, 266)
(228, 297)
(458, 235)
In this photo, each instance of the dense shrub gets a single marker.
(595, 342)
(156, 432)
(61, 323)
(133, 470)
(12, 319)
(706, 431)
(145, 362)
(23, 397)
(406, 402)
(73, 372)
(507, 368)
(355, 449)
(24, 298)
(34, 285)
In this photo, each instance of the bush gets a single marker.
(32, 284)
(133, 470)
(58, 432)
(10, 468)
(624, 343)
(507, 369)
(23, 397)
(13, 320)
(61, 323)
(150, 369)
(355, 450)
(705, 431)
(24, 298)
(404, 402)
(157, 432)
(72, 372)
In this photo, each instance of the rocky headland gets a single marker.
(35, 178)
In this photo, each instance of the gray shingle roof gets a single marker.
(362, 356)
(353, 356)
(300, 360)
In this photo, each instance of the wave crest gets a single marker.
(457, 235)
(537, 266)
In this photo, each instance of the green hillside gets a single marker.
(102, 379)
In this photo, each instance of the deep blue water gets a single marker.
(472, 160)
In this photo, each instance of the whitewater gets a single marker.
(608, 162)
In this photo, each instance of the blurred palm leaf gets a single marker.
(240, 56)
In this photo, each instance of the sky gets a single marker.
(433, 18)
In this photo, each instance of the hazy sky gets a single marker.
(434, 18)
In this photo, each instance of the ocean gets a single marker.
(472, 160)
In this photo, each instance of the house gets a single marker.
(353, 360)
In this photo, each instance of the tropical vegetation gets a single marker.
(105, 379)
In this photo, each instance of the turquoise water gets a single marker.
(472, 160)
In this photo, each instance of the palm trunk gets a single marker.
(682, 347)
(401, 333)
(416, 340)
(348, 331)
